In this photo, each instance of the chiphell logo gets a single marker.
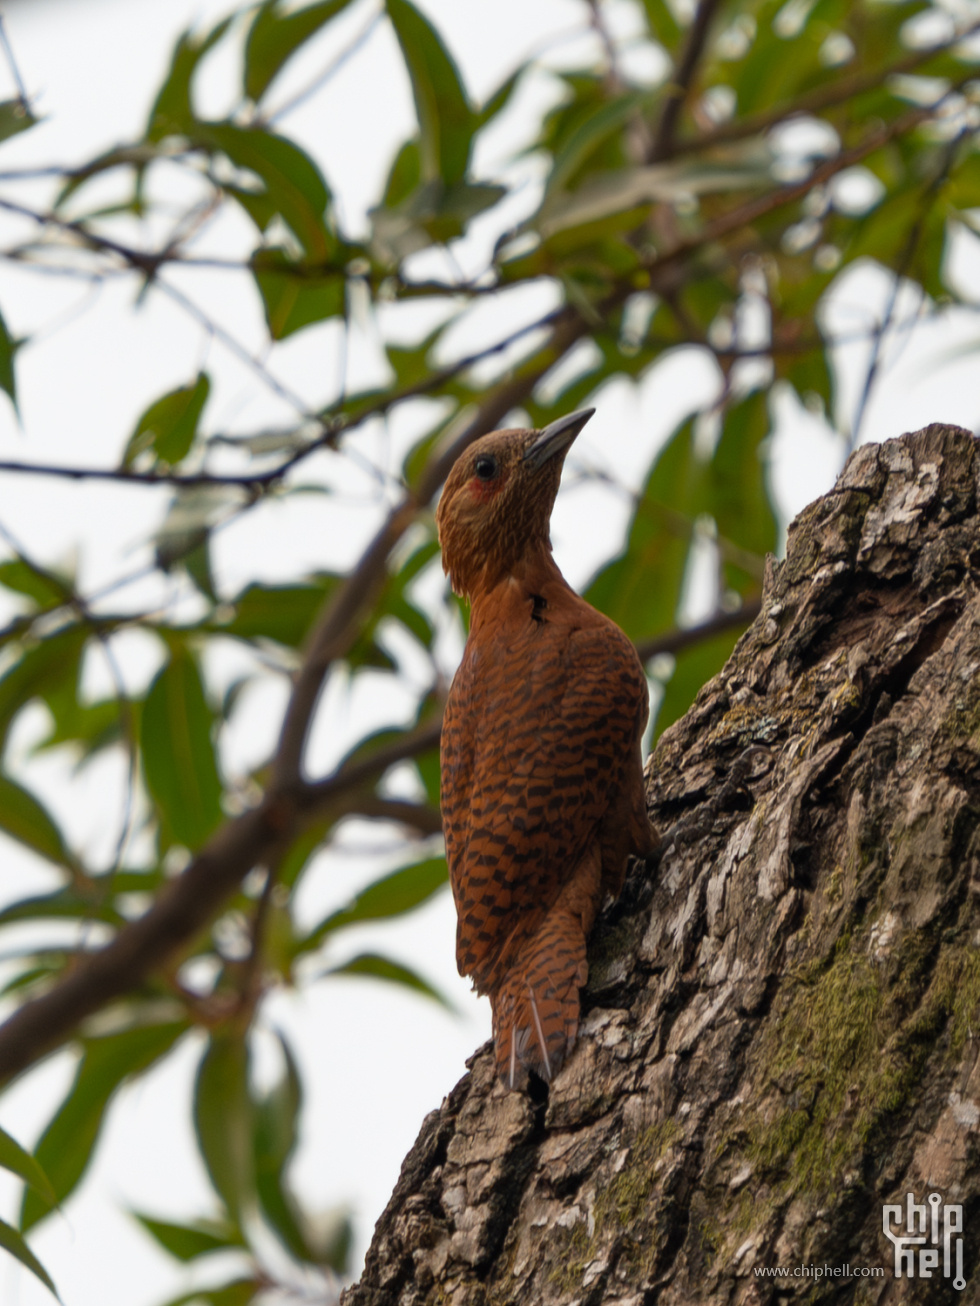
(920, 1234)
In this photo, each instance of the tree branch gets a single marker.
(675, 641)
(178, 913)
(316, 798)
(416, 816)
(189, 903)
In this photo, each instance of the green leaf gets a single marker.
(583, 142)
(738, 495)
(393, 895)
(48, 667)
(277, 1116)
(883, 234)
(193, 511)
(169, 425)
(501, 97)
(428, 768)
(809, 373)
(188, 1242)
(433, 212)
(66, 1145)
(284, 613)
(300, 853)
(178, 752)
(928, 264)
(14, 1243)
(14, 1158)
(276, 1134)
(223, 1119)
(34, 974)
(412, 618)
(704, 298)
(412, 363)
(238, 1293)
(274, 37)
(405, 175)
(23, 818)
(663, 24)
(641, 589)
(962, 191)
(15, 117)
(173, 113)
(618, 198)
(256, 203)
(293, 182)
(293, 296)
(83, 898)
(18, 575)
(137, 157)
(446, 121)
(197, 564)
(8, 348)
(392, 972)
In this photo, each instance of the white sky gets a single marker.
(375, 1059)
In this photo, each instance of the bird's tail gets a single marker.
(536, 1004)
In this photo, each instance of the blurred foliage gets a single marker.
(669, 214)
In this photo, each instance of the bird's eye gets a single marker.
(486, 467)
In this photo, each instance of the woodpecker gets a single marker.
(542, 783)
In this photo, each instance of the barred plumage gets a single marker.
(542, 792)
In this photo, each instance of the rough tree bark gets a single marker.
(779, 1028)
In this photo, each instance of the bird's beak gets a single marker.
(556, 438)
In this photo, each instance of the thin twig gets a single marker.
(248, 974)
(835, 92)
(235, 347)
(596, 22)
(145, 261)
(680, 84)
(908, 254)
(334, 67)
(127, 476)
(333, 423)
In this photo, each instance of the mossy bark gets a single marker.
(780, 1031)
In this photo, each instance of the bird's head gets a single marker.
(496, 504)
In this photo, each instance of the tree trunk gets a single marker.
(778, 1032)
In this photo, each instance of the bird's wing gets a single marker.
(535, 743)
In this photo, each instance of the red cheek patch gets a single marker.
(484, 491)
